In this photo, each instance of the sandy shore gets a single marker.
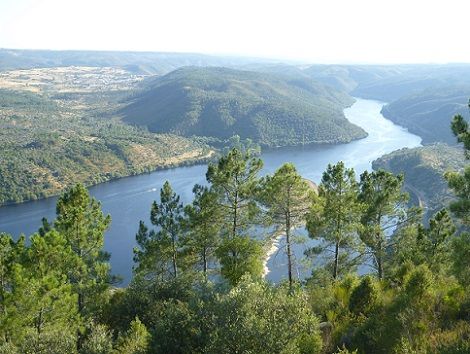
(272, 249)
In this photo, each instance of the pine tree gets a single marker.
(461, 258)
(461, 130)
(384, 208)
(203, 219)
(38, 306)
(460, 182)
(159, 250)
(11, 253)
(135, 340)
(51, 305)
(437, 240)
(338, 221)
(238, 256)
(288, 199)
(235, 181)
(83, 224)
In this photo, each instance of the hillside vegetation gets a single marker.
(220, 102)
(56, 128)
(424, 169)
(198, 282)
(429, 112)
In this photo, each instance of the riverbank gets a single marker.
(128, 200)
(191, 158)
(272, 247)
(383, 137)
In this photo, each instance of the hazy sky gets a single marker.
(369, 31)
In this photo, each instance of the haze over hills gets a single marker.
(421, 98)
(147, 63)
(414, 78)
(220, 102)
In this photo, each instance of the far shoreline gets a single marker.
(192, 162)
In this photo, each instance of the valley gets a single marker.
(136, 193)
(57, 127)
(91, 124)
(234, 177)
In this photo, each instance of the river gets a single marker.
(128, 199)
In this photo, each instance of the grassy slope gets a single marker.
(424, 168)
(219, 102)
(50, 140)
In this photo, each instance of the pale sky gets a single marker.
(329, 31)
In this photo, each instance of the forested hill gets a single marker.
(428, 113)
(56, 130)
(424, 169)
(220, 102)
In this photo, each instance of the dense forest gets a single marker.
(272, 110)
(198, 285)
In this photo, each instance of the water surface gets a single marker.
(128, 199)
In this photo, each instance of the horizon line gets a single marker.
(273, 60)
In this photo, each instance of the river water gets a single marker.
(128, 199)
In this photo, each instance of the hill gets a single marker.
(147, 63)
(352, 77)
(424, 169)
(379, 82)
(413, 79)
(56, 129)
(429, 112)
(219, 102)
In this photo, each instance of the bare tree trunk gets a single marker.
(175, 268)
(204, 260)
(289, 251)
(380, 266)
(380, 269)
(335, 267)
(80, 311)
